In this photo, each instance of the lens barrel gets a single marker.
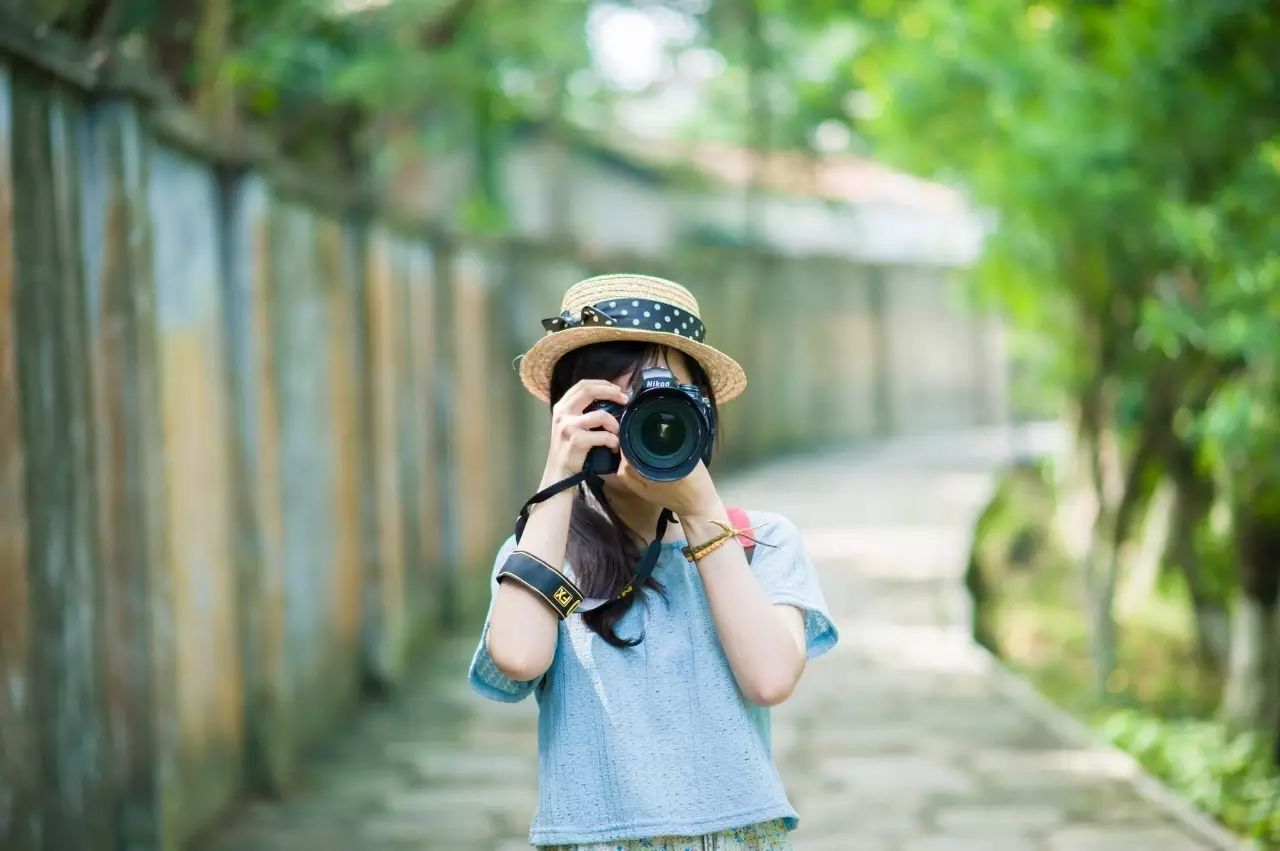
(664, 431)
(663, 435)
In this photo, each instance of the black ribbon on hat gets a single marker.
(637, 314)
(589, 316)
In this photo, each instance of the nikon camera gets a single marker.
(664, 430)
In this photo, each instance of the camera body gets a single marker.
(664, 431)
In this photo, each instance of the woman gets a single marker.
(653, 723)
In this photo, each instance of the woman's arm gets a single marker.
(522, 628)
(763, 640)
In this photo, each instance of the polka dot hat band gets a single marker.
(628, 307)
(645, 314)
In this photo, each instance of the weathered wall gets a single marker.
(256, 448)
(558, 187)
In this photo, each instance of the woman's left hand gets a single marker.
(693, 496)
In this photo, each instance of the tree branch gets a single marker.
(445, 28)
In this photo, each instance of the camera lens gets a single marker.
(663, 437)
(662, 433)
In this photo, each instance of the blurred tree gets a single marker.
(786, 81)
(450, 74)
(1232, 312)
(336, 82)
(1127, 150)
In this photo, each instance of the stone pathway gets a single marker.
(904, 737)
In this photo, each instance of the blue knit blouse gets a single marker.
(657, 739)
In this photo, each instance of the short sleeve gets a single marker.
(484, 676)
(787, 576)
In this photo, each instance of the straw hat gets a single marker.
(628, 307)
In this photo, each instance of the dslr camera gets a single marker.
(664, 430)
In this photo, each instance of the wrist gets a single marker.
(702, 525)
(563, 498)
(553, 473)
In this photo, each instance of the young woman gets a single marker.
(653, 723)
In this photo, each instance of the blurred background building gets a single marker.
(652, 196)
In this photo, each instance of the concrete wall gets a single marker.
(256, 448)
(553, 190)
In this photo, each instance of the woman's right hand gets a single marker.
(522, 628)
(574, 433)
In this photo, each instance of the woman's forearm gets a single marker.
(764, 642)
(522, 628)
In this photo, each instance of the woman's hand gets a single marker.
(574, 433)
(694, 496)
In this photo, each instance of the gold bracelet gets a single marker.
(695, 554)
(707, 547)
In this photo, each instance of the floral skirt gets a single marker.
(765, 836)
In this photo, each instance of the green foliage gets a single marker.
(1225, 773)
(798, 59)
(340, 85)
(1132, 155)
(1010, 541)
(1034, 617)
(412, 57)
(1226, 302)
(1161, 697)
(1088, 129)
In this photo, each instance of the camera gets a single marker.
(664, 430)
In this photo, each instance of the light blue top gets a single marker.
(657, 739)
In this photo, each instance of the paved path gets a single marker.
(902, 738)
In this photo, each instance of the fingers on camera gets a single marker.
(587, 391)
(596, 438)
(599, 419)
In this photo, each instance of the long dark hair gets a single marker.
(602, 549)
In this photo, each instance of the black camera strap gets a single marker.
(644, 569)
(545, 494)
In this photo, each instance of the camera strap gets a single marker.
(545, 494)
(643, 569)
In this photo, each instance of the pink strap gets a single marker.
(738, 519)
